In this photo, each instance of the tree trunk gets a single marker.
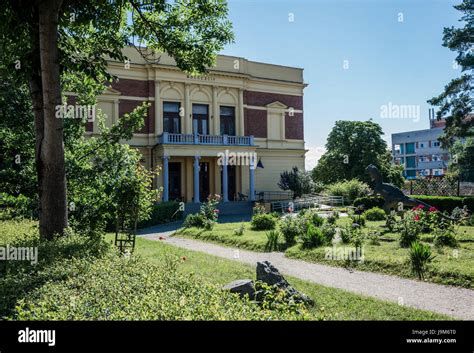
(50, 148)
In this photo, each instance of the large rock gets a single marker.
(269, 274)
(241, 286)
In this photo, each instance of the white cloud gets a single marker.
(313, 155)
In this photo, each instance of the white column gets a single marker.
(240, 128)
(252, 180)
(225, 180)
(165, 179)
(158, 108)
(196, 179)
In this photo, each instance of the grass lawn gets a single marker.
(331, 303)
(450, 266)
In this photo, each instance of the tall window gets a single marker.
(201, 119)
(227, 120)
(171, 118)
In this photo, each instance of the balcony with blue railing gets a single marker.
(196, 139)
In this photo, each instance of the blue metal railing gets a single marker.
(196, 139)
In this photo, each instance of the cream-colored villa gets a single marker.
(240, 108)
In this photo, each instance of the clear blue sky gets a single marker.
(389, 61)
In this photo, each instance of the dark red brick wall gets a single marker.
(135, 88)
(294, 126)
(263, 98)
(255, 122)
(127, 106)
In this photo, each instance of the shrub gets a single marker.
(298, 181)
(207, 216)
(332, 217)
(345, 234)
(375, 214)
(313, 237)
(17, 207)
(447, 203)
(369, 202)
(194, 220)
(317, 220)
(272, 240)
(359, 220)
(240, 231)
(162, 212)
(291, 228)
(350, 190)
(329, 231)
(391, 221)
(420, 256)
(445, 237)
(258, 209)
(263, 222)
(409, 231)
(374, 238)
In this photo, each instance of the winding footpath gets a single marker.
(453, 301)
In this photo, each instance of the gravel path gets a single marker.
(453, 301)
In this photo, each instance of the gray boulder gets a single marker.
(269, 274)
(241, 286)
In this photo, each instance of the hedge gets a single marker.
(442, 203)
(163, 212)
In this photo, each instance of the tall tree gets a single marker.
(58, 45)
(351, 146)
(456, 102)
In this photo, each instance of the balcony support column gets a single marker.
(165, 179)
(196, 179)
(240, 131)
(188, 114)
(252, 180)
(225, 179)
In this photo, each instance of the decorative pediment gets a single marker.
(276, 105)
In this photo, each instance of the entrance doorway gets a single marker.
(204, 181)
(231, 182)
(174, 181)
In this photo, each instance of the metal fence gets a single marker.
(439, 186)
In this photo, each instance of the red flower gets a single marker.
(433, 209)
(216, 211)
(417, 217)
(420, 207)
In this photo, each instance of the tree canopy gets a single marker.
(54, 46)
(456, 101)
(351, 146)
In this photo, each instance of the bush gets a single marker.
(272, 240)
(332, 217)
(369, 202)
(291, 228)
(359, 219)
(409, 231)
(350, 190)
(207, 216)
(240, 231)
(162, 212)
(345, 234)
(263, 222)
(445, 237)
(317, 220)
(194, 220)
(329, 231)
(17, 207)
(258, 209)
(420, 256)
(313, 237)
(375, 214)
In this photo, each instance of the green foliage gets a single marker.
(349, 189)
(163, 212)
(344, 162)
(313, 237)
(359, 219)
(272, 240)
(409, 230)
(446, 203)
(272, 298)
(316, 219)
(329, 231)
(345, 233)
(258, 209)
(207, 216)
(455, 103)
(445, 237)
(463, 165)
(391, 221)
(292, 228)
(240, 231)
(12, 207)
(375, 214)
(263, 222)
(296, 180)
(420, 257)
(369, 202)
(332, 217)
